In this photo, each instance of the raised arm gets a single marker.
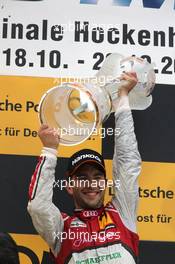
(46, 217)
(126, 160)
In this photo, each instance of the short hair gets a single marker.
(8, 250)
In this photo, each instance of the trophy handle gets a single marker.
(114, 65)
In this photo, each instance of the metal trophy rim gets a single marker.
(80, 89)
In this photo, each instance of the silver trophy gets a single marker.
(75, 110)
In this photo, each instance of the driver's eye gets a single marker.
(99, 177)
(81, 177)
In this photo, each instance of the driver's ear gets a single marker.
(69, 186)
(69, 190)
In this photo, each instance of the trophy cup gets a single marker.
(75, 110)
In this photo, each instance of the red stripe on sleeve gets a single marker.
(34, 177)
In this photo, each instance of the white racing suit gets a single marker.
(103, 235)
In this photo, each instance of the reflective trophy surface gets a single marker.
(75, 110)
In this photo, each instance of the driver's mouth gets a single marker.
(91, 193)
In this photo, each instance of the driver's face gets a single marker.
(90, 184)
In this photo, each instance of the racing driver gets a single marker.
(96, 233)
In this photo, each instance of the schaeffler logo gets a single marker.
(90, 213)
(146, 3)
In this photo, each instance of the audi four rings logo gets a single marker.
(90, 213)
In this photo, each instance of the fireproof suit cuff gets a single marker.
(49, 152)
